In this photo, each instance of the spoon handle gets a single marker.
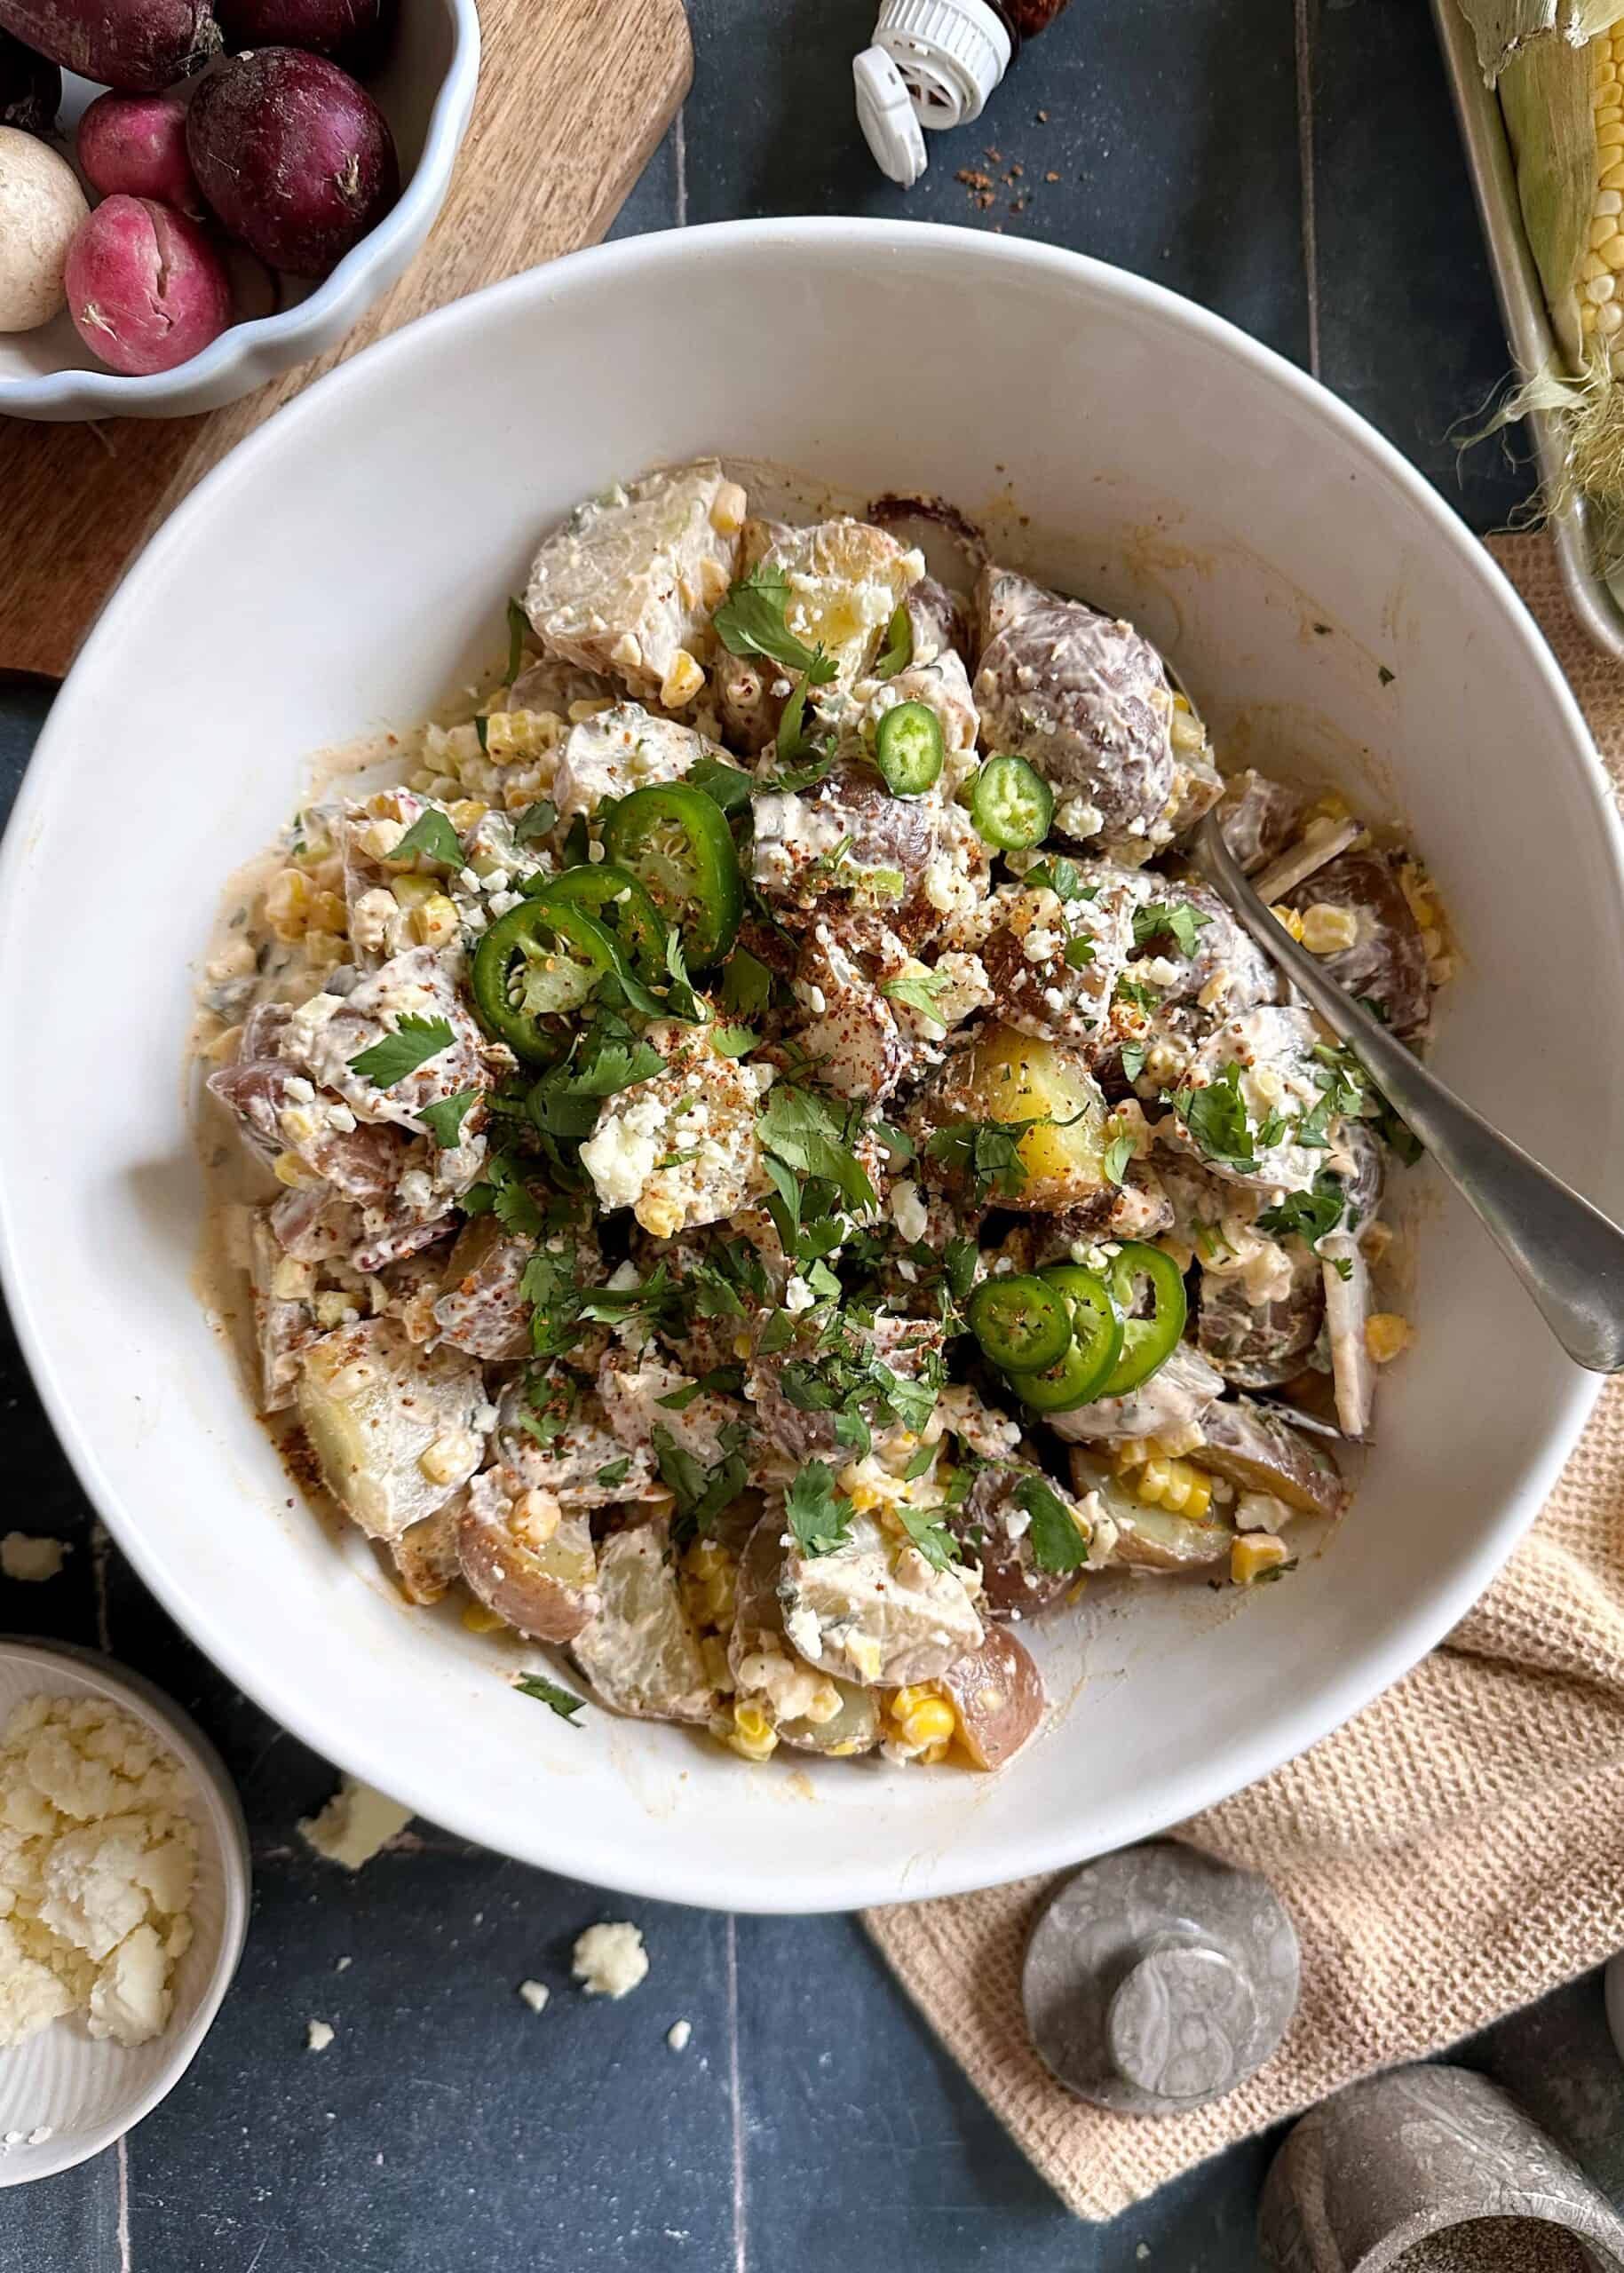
(1567, 1254)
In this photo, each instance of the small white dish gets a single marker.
(80, 2092)
(426, 90)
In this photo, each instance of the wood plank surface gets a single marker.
(574, 96)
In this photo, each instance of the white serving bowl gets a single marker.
(425, 90)
(348, 565)
(79, 2091)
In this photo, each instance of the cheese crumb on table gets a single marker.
(610, 1960)
(98, 1857)
(355, 1824)
(24, 1557)
(318, 2035)
(677, 2035)
(534, 1994)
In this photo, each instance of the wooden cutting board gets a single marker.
(574, 96)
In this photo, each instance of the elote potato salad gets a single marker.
(776, 1173)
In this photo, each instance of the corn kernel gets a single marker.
(287, 1168)
(682, 682)
(659, 1214)
(435, 922)
(1332, 806)
(727, 510)
(1165, 1481)
(742, 1345)
(448, 1456)
(535, 1518)
(752, 1736)
(466, 814)
(588, 708)
(292, 1281)
(1329, 929)
(627, 651)
(1386, 1334)
(478, 1619)
(379, 838)
(1254, 1552)
(712, 581)
(931, 1723)
(865, 1499)
(1291, 919)
(287, 906)
(825, 1706)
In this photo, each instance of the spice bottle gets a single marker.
(933, 63)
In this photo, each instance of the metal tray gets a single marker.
(1522, 304)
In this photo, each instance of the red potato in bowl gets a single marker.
(294, 157)
(146, 289)
(137, 145)
(998, 1696)
(136, 45)
(355, 33)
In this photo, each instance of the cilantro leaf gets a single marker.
(482, 730)
(727, 786)
(987, 1153)
(1142, 997)
(819, 1517)
(412, 1044)
(897, 652)
(614, 1471)
(746, 983)
(733, 1041)
(802, 1132)
(518, 627)
(563, 1701)
(611, 1062)
(1057, 1543)
(445, 1119)
(929, 1534)
(752, 622)
(917, 1465)
(960, 1258)
(1133, 1060)
(1118, 1152)
(1078, 952)
(1061, 876)
(920, 990)
(1168, 919)
(433, 836)
(1217, 1119)
(537, 820)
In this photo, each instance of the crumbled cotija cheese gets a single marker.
(609, 1960)
(98, 1856)
(355, 1824)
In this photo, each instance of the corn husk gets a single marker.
(1543, 58)
(1503, 29)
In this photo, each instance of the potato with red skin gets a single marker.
(146, 289)
(355, 33)
(136, 45)
(30, 88)
(137, 145)
(997, 1695)
(293, 155)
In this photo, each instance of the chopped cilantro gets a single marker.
(733, 1041)
(614, 1471)
(897, 652)
(1217, 1119)
(536, 820)
(920, 990)
(819, 1517)
(747, 984)
(1078, 952)
(445, 1119)
(920, 1461)
(929, 1534)
(1057, 1543)
(1131, 990)
(1308, 1216)
(433, 836)
(752, 622)
(1168, 919)
(1133, 1060)
(563, 1701)
(727, 785)
(1061, 876)
(412, 1044)
(1118, 1152)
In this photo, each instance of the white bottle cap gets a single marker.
(885, 112)
(951, 55)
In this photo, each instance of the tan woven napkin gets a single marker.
(1454, 1851)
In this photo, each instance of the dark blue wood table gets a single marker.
(1297, 171)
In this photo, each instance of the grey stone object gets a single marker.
(1400, 2157)
(1156, 1979)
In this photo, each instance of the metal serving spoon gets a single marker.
(1566, 1253)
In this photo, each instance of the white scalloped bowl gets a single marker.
(347, 567)
(82, 2091)
(426, 90)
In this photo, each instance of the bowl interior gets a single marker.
(1325, 609)
(405, 90)
(81, 2090)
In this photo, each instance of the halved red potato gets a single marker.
(998, 1695)
(543, 1586)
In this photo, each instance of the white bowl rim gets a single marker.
(1203, 1783)
(222, 1806)
(114, 393)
